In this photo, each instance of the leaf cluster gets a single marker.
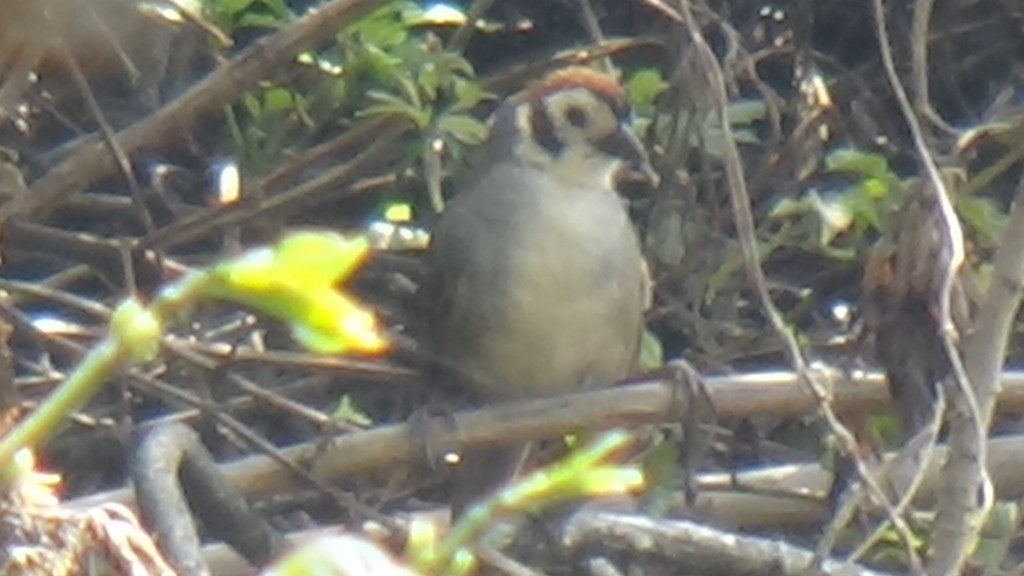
(387, 63)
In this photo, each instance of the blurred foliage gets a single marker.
(643, 89)
(234, 15)
(591, 470)
(645, 86)
(383, 64)
(662, 469)
(296, 281)
(992, 554)
(836, 222)
(849, 217)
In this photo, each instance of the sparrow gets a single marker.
(536, 283)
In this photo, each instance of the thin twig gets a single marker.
(740, 201)
(919, 56)
(596, 34)
(91, 161)
(124, 164)
(954, 529)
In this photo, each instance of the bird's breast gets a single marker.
(572, 312)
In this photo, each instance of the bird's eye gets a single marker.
(576, 116)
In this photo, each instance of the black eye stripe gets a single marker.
(544, 130)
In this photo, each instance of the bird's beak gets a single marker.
(625, 144)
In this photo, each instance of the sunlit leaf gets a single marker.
(398, 212)
(834, 216)
(277, 99)
(603, 481)
(296, 281)
(644, 87)
(348, 412)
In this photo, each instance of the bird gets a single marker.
(535, 279)
(903, 278)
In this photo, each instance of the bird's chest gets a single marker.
(575, 257)
(575, 312)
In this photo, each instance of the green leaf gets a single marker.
(651, 353)
(662, 470)
(455, 64)
(644, 87)
(381, 63)
(985, 221)
(348, 412)
(252, 104)
(430, 81)
(382, 27)
(835, 216)
(411, 14)
(257, 20)
(746, 111)
(468, 93)
(465, 129)
(863, 203)
(391, 104)
(277, 99)
(231, 7)
(856, 161)
(995, 539)
(295, 281)
(410, 91)
(279, 8)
